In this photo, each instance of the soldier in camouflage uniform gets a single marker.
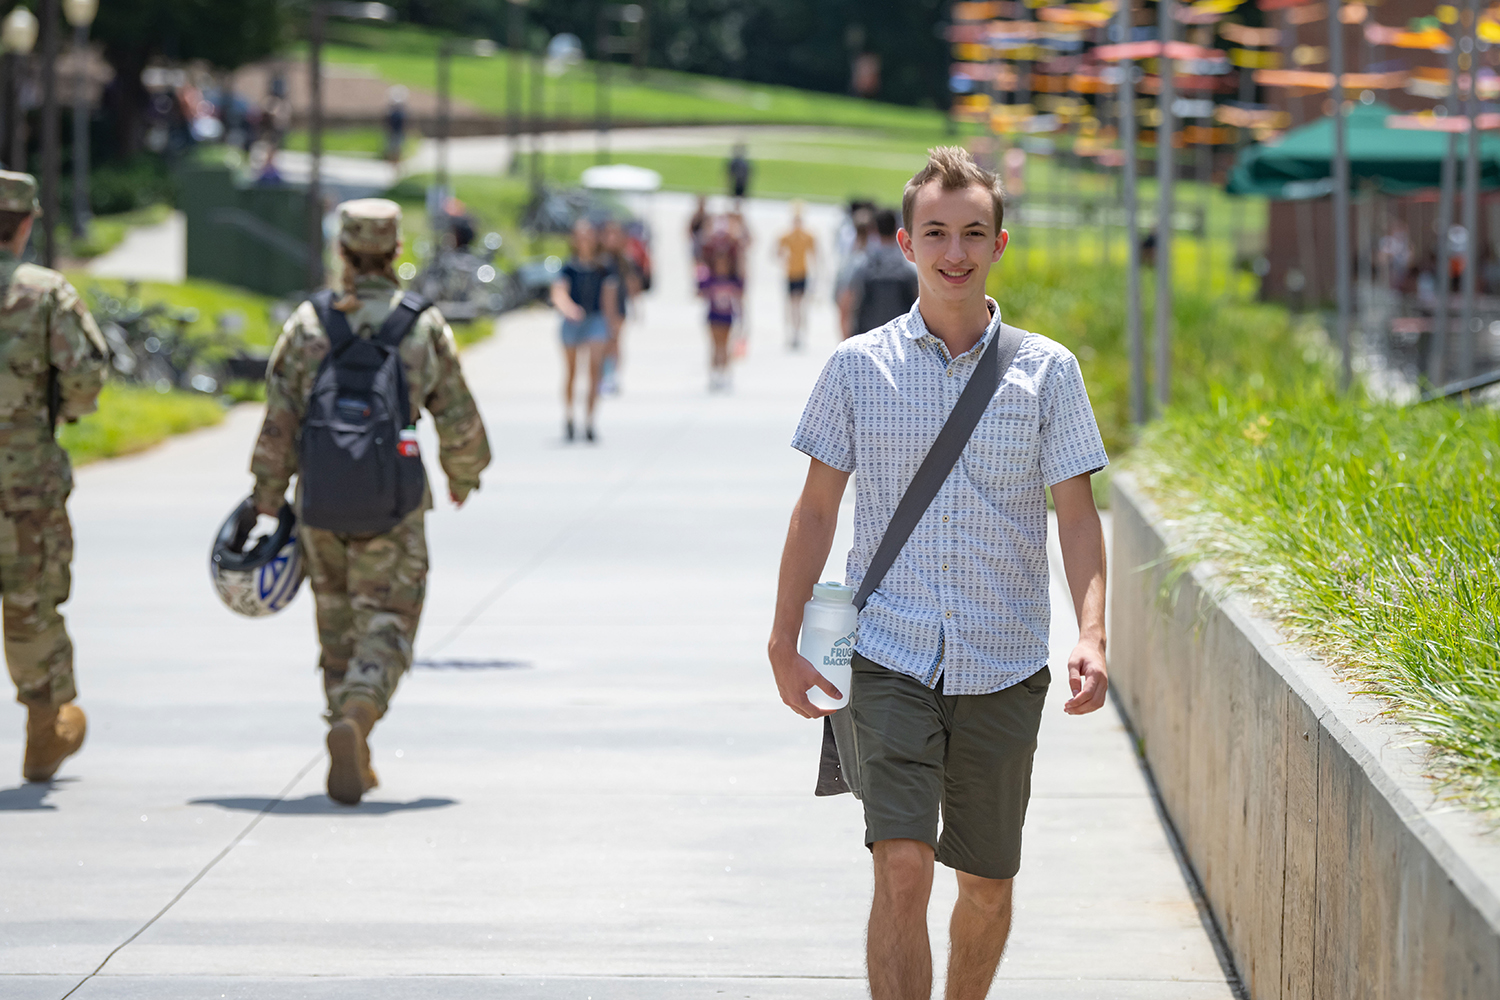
(54, 364)
(368, 588)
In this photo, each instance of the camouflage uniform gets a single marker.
(368, 588)
(54, 361)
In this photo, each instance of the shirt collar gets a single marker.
(916, 327)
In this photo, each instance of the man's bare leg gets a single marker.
(977, 935)
(897, 952)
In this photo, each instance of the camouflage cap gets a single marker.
(370, 225)
(18, 193)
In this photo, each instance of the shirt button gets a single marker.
(945, 518)
(947, 614)
(945, 566)
(950, 372)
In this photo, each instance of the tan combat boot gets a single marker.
(52, 735)
(349, 772)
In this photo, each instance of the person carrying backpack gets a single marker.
(345, 386)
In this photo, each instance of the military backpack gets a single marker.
(358, 462)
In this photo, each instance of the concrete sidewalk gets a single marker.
(589, 788)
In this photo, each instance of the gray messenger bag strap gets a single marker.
(837, 770)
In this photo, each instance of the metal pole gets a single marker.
(1471, 197)
(18, 69)
(315, 147)
(538, 82)
(81, 211)
(7, 106)
(1166, 169)
(513, 81)
(1205, 200)
(1134, 333)
(1437, 363)
(444, 66)
(1340, 194)
(51, 159)
(601, 84)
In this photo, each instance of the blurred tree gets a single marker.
(793, 42)
(224, 33)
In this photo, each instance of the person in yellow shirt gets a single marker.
(797, 248)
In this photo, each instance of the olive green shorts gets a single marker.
(921, 751)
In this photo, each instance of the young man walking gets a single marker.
(950, 666)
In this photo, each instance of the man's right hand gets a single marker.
(794, 675)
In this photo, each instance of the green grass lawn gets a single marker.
(1223, 341)
(133, 418)
(210, 298)
(366, 142)
(407, 55)
(1370, 532)
(772, 178)
(106, 231)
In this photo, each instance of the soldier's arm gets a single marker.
(463, 447)
(77, 351)
(275, 459)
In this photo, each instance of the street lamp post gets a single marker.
(444, 112)
(1133, 330)
(1469, 46)
(321, 11)
(18, 36)
(606, 46)
(1166, 175)
(1340, 196)
(51, 165)
(80, 14)
(319, 16)
(513, 71)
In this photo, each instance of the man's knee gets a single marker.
(903, 867)
(990, 896)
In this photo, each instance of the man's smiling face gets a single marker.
(953, 241)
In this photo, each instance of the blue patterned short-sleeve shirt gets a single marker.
(966, 601)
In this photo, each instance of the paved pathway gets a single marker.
(588, 791)
(147, 253)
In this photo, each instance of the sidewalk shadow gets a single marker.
(318, 804)
(31, 797)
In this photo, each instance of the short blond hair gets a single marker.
(954, 169)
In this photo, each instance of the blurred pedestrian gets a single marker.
(738, 169)
(797, 247)
(55, 365)
(883, 284)
(854, 239)
(369, 581)
(723, 290)
(616, 254)
(698, 224)
(395, 125)
(738, 229)
(587, 293)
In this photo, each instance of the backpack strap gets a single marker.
(402, 318)
(335, 323)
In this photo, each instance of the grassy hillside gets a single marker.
(408, 56)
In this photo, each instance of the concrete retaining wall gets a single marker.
(1330, 863)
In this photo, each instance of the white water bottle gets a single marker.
(829, 621)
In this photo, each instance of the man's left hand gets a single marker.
(1088, 677)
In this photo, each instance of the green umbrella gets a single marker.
(1300, 163)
